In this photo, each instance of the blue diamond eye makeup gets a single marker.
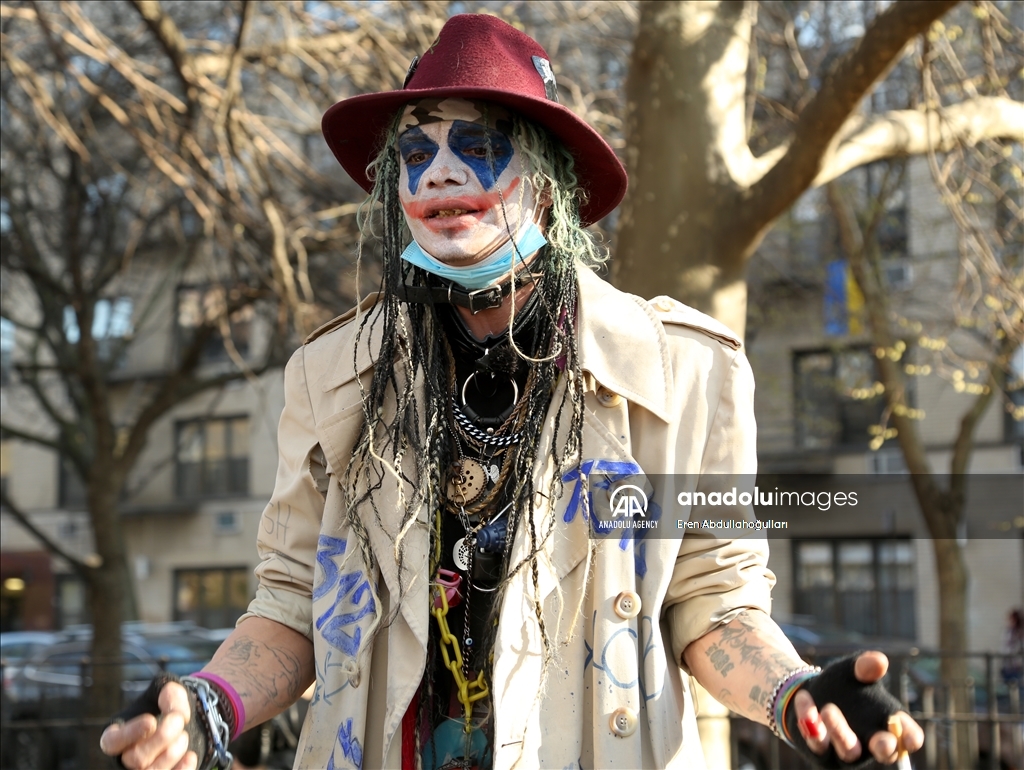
(418, 152)
(485, 150)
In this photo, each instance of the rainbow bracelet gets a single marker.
(783, 694)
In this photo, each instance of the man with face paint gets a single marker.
(442, 450)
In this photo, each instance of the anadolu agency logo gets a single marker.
(628, 500)
(629, 507)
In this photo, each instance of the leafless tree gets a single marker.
(718, 148)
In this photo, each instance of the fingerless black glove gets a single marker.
(197, 728)
(867, 708)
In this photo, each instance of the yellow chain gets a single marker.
(469, 692)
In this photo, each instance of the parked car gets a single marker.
(180, 654)
(18, 646)
(50, 687)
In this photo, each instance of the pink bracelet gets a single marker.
(236, 702)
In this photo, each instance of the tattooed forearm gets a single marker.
(263, 671)
(759, 696)
(720, 660)
(751, 653)
(268, 664)
(749, 641)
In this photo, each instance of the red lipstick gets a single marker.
(474, 206)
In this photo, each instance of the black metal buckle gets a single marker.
(490, 297)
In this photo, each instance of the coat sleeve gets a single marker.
(715, 578)
(290, 524)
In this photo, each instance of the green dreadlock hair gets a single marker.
(407, 435)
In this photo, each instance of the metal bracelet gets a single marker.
(778, 692)
(218, 733)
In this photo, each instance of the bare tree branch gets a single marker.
(171, 40)
(49, 543)
(865, 139)
(846, 83)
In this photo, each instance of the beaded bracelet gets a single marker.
(783, 694)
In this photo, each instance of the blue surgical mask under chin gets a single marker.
(486, 272)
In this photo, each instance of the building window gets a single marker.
(74, 494)
(211, 598)
(111, 325)
(6, 350)
(838, 397)
(858, 585)
(199, 305)
(71, 601)
(5, 464)
(886, 184)
(1009, 239)
(213, 458)
(1015, 391)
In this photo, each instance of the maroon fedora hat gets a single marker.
(476, 56)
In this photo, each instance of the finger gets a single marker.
(808, 722)
(143, 754)
(883, 747)
(190, 762)
(118, 737)
(173, 755)
(870, 666)
(173, 697)
(913, 735)
(842, 738)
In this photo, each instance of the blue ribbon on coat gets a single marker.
(612, 470)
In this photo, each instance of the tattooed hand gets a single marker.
(742, 662)
(268, 664)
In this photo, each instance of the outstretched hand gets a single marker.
(824, 724)
(146, 742)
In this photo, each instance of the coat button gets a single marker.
(627, 605)
(623, 722)
(665, 305)
(608, 398)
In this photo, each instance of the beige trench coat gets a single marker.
(667, 388)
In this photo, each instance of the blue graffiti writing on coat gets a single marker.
(353, 597)
(351, 749)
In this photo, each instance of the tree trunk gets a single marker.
(685, 103)
(942, 509)
(953, 641)
(111, 602)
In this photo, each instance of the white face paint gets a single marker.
(462, 186)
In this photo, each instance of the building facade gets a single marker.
(819, 405)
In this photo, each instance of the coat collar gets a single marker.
(622, 344)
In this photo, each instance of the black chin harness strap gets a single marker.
(475, 300)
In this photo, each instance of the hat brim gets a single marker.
(356, 127)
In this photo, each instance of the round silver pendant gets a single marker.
(461, 554)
